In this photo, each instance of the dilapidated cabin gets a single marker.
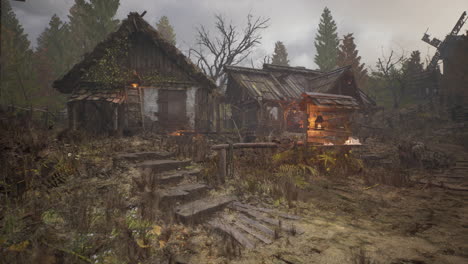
(267, 100)
(137, 80)
(329, 117)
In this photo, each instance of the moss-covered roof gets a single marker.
(133, 23)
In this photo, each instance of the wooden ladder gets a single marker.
(134, 108)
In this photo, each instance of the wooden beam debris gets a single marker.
(246, 145)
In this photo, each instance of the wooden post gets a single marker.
(231, 161)
(222, 165)
(142, 107)
(116, 118)
(218, 117)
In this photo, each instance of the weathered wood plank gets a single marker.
(163, 165)
(191, 211)
(284, 226)
(222, 165)
(233, 232)
(252, 232)
(246, 145)
(257, 225)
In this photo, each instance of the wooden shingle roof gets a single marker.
(289, 83)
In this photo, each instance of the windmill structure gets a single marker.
(441, 44)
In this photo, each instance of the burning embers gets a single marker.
(181, 132)
(349, 141)
(352, 141)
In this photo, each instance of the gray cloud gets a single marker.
(378, 25)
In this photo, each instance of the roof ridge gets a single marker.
(269, 66)
(335, 71)
(241, 68)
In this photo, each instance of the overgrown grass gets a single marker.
(66, 201)
(282, 175)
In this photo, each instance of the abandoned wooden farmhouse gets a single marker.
(135, 79)
(270, 100)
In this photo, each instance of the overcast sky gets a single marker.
(378, 25)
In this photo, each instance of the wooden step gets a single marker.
(229, 229)
(145, 155)
(194, 211)
(158, 166)
(183, 192)
(175, 176)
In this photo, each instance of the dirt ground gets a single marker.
(347, 222)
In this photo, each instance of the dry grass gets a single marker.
(283, 175)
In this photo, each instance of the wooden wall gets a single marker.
(145, 57)
(336, 125)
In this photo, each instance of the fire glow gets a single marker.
(352, 141)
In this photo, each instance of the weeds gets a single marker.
(283, 175)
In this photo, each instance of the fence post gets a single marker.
(222, 165)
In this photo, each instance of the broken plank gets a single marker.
(269, 211)
(257, 225)
(253, 232)
(233, 232)
(284, 226)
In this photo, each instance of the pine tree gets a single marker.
(90, 23)
(326, 42)
(412, 71)
(52, 59)
(103, 19)
(166, 30)
(280, 56)
(52, 43)
(16, 78)
(348, 55)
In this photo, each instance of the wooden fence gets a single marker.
(41, 117)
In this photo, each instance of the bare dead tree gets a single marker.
(390, 69)
(229, 46)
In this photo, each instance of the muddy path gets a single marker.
(347, 222)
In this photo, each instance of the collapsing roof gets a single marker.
(272, 82)
(133, 23)
(284, 83)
